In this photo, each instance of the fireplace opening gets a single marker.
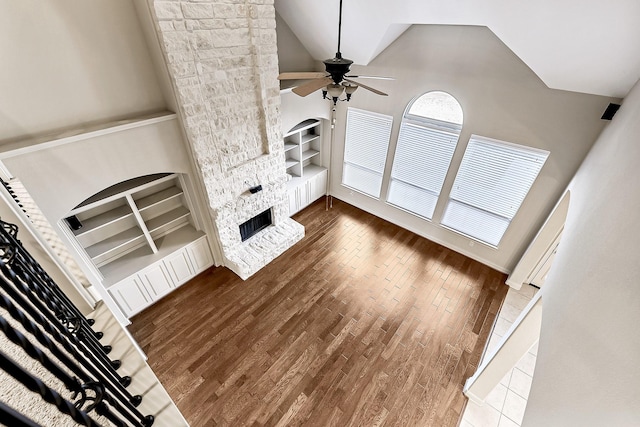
(255, 224)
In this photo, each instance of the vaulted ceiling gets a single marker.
(584, 46)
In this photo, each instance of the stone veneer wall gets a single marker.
(222, 59)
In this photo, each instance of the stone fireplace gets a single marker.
(222, 59)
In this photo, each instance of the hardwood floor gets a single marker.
(361, 323)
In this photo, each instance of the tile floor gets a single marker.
(505, 405)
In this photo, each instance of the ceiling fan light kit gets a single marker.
(335, 81)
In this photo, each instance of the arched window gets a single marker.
(428, 137)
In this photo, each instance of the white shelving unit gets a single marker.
(302, 147)
(303, 152)
(142, 225)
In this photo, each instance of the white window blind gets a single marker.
(493, 180)
(420, 165)
(365, 150)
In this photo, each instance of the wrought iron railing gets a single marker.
(49, 320)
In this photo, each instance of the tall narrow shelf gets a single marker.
(303, 148)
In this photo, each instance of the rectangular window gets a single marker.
(365, 150)
(491, 184)
(420, 165)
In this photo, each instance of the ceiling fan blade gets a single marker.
(302, 75)
(371, 77)
(376, 91)
(312, 86)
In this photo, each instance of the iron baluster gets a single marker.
(44, 339)
(47, 393)
(14, 418)
(49, 307)
(51, 325)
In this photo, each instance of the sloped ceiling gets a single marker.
(576, 45)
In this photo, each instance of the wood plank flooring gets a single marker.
(361, 323)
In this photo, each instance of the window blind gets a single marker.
(491, 184)
(365, 150)
(420, 165)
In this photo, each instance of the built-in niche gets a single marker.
(142, 238)
(304, 147)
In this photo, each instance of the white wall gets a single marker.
(66, 63)
(541, 244)
(295, 109)
(60, 177)
(587, 370)
(501, 98)
(292, 56)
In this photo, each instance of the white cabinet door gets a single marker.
(156, 280)
(294, 206)
(317, 186)
(130, 295)
(200, 255)
(303, 195)
(179, 267)
(307, 192)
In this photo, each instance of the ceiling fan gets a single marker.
(335, 79)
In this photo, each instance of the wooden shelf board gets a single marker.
(154, 199)
(309, 137)
(167, 218)
(98, 221)
(309, 154)
(289, 146)
(291, 162)
(114, 242)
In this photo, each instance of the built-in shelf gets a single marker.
(169, 219)
(111, 247)
(309, 154)
(304, 164)
(291, 162)
(130, 216)
(109, 217)
(159, 197)
(303, 144)
(309, 137)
